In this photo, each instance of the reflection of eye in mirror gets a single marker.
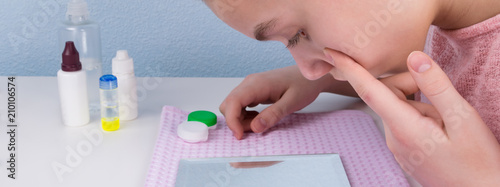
(276, 171)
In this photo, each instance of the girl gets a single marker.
(340, 46)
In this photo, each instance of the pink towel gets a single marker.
(351, 134)
(471, 58)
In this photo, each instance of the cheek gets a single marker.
(332, 38)
(379, 55)
(380, 46)
(383, 58)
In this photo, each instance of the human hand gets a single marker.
(285, 87)
(443, 144)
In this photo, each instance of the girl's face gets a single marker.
(378, 34)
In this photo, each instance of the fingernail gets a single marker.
(419, 62)
(262, 125)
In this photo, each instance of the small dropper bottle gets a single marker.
(123, 69)
(110, 120)
(72, 82)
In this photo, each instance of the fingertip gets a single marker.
(235, 126)
(419, 62)
(238, 136)
(328, 55)
(342, 64)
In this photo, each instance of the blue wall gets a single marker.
(174, 38)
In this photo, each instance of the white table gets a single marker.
(119, 158)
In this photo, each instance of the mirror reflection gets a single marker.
(276, 171)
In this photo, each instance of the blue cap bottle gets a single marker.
(110, 120)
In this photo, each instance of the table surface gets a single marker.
(51, 154)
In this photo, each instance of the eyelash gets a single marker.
(292, 42)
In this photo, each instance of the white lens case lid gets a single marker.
(192, 131)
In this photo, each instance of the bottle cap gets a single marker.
(206, 117)
(70, 58)
(193, 131)
(122, 63)
(108, 82)
(77, 8)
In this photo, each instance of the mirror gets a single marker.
(276, 171)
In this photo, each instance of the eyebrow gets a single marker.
(261, 29)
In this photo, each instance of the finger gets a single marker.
(232, 111)
(271, 115)
(437, 87)
(381, 99)
(233, 108)
(401, 84)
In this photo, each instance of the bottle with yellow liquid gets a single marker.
(110, 120)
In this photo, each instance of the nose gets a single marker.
(313, 68)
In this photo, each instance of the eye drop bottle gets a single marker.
(109, 103)
(72, 82)
(123, 69)
(85, 34)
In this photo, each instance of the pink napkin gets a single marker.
(352, 134)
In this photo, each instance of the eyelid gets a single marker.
(296, 38)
